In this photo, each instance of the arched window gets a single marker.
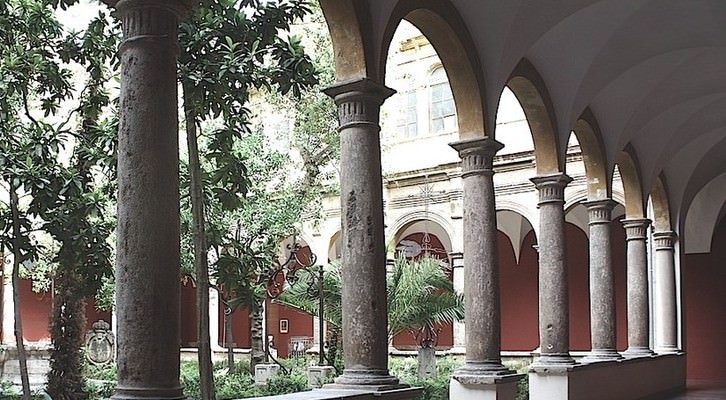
(443, 112)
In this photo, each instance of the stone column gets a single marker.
(365, 337)
(666, 332)
(147, 261)
(457, 265)
(481, 275)
(602, 283)
(553, 297)
(636, 231)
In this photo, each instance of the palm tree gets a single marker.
(420, 296)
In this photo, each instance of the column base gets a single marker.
(600, 355)
(263, 372)
(484, 387)
(667, 350)
(366, 379)
(141, 393)
(474, 370)
(554, 359)
(635, 352)
(319, 375)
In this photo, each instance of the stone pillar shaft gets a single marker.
(602, 282)
(553, 296)
(637, 290)
(147, 261)
(365, 335)
(457, 265)
(481, 275)
(666, 333)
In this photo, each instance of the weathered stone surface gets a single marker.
(263, 372)
(147, 263)
(664, 293)
(636, 231)
(602, 283)
(481, 282)
(364, 260)
(553, 298)
(318, 375)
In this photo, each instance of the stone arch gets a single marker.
(661, 206)
(529, 88)
(589, 136)
(333, 250)
(439, 21)
(704, 215)
(345, 22)
(630, 176)
(399, 229)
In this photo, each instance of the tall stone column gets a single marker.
(602, 283)
(147, 260)
(457, 265)
(636, 231)
(365, 338)
(481, 274)
(553, 297)
(666, 332)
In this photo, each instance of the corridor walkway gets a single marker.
(703, 391)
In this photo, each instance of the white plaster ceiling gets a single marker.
(653, 73)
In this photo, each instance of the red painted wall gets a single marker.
(240, 327)
(299, 325)
(34, 312)
(188, 299)
(578, 267)
(93, 314)
(704, 279)
(519, 294)
(621, 281)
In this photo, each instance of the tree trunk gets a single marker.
(204, 348)
(229, 338)
(256, 337)
(16, 294)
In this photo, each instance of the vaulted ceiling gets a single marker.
(652, 73)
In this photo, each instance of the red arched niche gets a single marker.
(519, 294)
(188, 320)
(422, 243)
(704, 277)
(578, 266)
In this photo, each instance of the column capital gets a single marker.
(636, 228)
(153, 22)
(600, 210)
(358, 101)
(477, 155)
(664, 240)
(551, 187)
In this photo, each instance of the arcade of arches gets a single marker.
(642, 83)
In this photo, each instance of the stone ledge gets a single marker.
(474, 379)
(348, 394)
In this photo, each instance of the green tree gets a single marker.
(31, 79)
(66, 199)
(230, 48)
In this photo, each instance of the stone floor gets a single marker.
(702, 391)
